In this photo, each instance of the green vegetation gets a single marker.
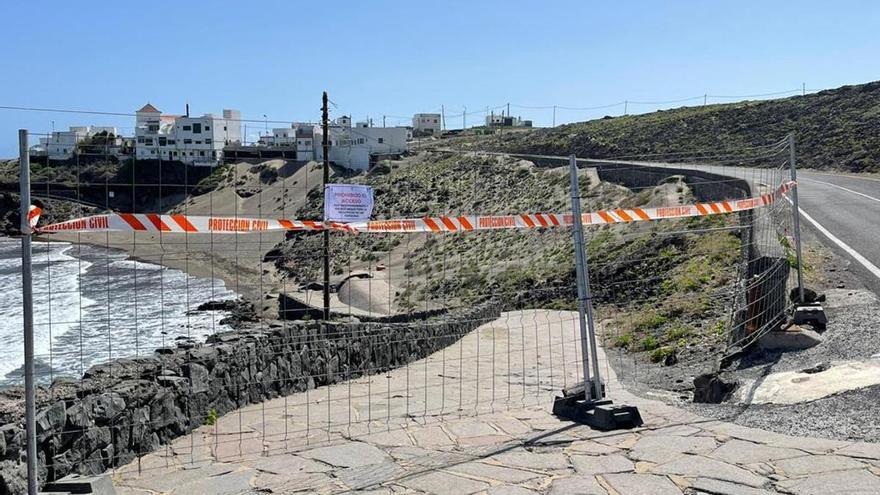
(624, 341)
(218, 175)
(211, 418)
(661, 353)
(649, 343)
(678, 332)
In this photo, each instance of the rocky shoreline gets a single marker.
(129, 407)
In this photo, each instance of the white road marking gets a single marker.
(843, 188)
(851, 176)
(871, 267)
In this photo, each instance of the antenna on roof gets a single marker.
(187, 109)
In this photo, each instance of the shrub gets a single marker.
(211, 418)
(661, 353)
(649, 343)
(648, 320)
(624, 341)
(678, 333)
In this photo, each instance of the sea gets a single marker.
(93, 304)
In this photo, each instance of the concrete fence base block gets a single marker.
(74, 484)
(794, 339)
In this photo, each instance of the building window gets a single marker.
(187, 128)
(172, 142)
(224, 127)
(152, 152)
(153, 127)
(197, 128)
(201, 153)
(207, 128)
(187, 141)
(381, 140)
(141, 139)
(163, 141)
(207, 141)
(198, 142)
(148, 141)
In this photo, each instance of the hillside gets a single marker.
(632, 265)
(837, 129)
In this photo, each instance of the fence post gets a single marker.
(585, 302)
(28, 312)
(796, 218)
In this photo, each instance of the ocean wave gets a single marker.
(93, 304)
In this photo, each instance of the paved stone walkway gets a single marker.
(437, 427)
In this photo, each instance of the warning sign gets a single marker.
(347, 203)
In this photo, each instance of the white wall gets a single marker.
(352, 147)
(430, 122)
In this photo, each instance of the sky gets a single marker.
(274, 58)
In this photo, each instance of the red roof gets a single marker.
(149, 109)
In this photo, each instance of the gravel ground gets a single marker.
(853, 333)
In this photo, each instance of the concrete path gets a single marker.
(474, 418)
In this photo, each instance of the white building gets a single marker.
(352, 147)
(62, 145)
(502, 120)
(195, 140)
(282, 136)
(427, 124)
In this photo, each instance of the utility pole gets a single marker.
(508, 109)
(705, 98)
(442, 118)
(554, 115)
(383, 121)
(625, 105)
(325, 141)
(803, 89)
(28, 313)
(464, 119)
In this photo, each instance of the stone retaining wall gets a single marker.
(129, 407)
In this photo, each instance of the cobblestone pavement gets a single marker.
(474, 418)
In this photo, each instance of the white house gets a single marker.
(427, 124)
(351, 147)
(502, 120)
(282, 136)
(62, 145)
(194, 140)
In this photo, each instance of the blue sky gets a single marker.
(395, 58)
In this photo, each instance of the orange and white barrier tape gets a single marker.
(149, 222)
(544, 220)
(187, 224)
(33, 215)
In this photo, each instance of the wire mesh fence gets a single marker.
(144, 336)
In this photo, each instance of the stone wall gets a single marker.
(129, 407)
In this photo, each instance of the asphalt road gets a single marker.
(845, 212)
